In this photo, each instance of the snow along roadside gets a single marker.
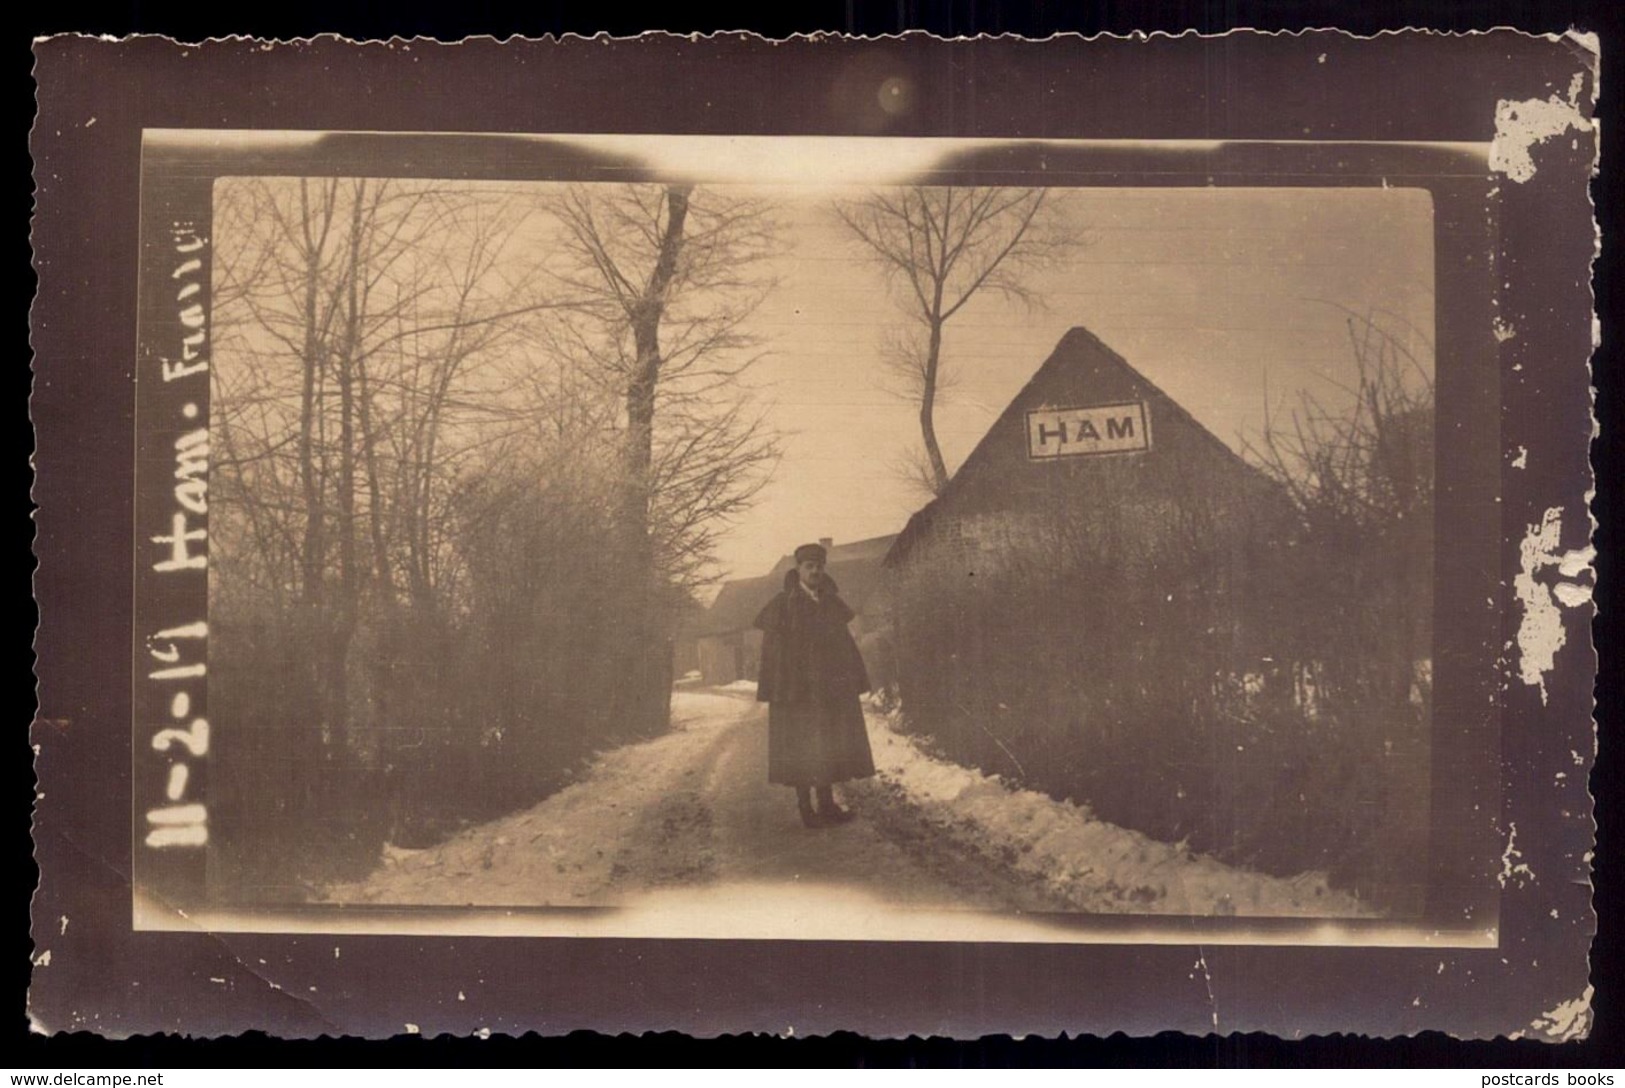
(1089, 864)
(591, 843)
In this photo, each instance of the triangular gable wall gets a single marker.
(1081, 371)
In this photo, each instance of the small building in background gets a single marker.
(685, 654)
(726, 644)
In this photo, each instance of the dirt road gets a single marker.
(686, 837)
(689, 810)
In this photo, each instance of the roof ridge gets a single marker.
(1076, 336)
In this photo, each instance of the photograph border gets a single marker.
(180, 170)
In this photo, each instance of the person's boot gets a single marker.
(804, 804)
(828, 810)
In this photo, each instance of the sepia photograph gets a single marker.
(850, 556)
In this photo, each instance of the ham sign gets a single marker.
(1078, 432)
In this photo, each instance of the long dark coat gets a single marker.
(811, 676)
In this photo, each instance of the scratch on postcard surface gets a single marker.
(1510, 865)
(1521, 125)
(153, 907)
(1207, 980)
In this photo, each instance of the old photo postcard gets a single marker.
(932, 550)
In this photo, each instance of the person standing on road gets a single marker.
(811, 677)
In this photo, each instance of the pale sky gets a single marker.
(1214, 294)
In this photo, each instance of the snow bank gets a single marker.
(1080, 860)
(578, 846)
(740, 685)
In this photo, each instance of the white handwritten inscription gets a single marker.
(178, 654)
(180, 554)
(194, 340)
(192, 471)
(1073, 432)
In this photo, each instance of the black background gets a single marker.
(1607, 1045)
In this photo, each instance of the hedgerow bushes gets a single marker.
(1246, 669)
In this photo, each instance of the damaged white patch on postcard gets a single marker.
(1569, 1021)
(1540, 632)
(1521, 125)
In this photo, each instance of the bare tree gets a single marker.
(939, 247)
(1359, 471)
(443, 526)
(348, 313)
(663, 279)
(1366, 461)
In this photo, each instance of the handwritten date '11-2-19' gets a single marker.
(178, 653)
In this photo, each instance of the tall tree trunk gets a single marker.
(344, 625)
(314, 543)
(382, 574)
(649, 674)
(422, 515)
(928, 401)
(640, 391)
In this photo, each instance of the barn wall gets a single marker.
(736, 655)
(1121, 630)
(719, 659)
(750, 646)
(685, 657)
